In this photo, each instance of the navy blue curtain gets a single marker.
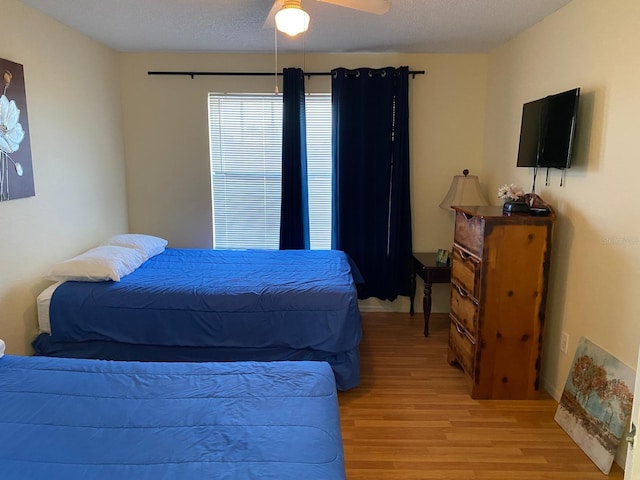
(371, 198)
(294, 208)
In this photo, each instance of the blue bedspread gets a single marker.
(221, 298)
(91, 419)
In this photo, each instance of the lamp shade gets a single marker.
(464, 190)
(292, 19)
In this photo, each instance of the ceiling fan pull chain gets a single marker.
(304, 51)
(275, 70)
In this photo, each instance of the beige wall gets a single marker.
(167, 150)
(74, 110)
(595, 274)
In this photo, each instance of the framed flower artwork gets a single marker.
(596, 402)
(16, 167)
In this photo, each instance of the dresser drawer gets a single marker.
(464, 309)
(465, 271)
(469, 232)
(462, 346)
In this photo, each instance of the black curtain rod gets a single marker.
(413, 73)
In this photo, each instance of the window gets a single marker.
(245, 134)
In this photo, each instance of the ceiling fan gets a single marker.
(289, 17)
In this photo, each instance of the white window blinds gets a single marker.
(319, 169)
(246, 155)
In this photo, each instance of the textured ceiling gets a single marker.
(418, 26)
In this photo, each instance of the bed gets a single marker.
(212, 305)
(70, 419)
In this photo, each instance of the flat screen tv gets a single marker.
(547, 130)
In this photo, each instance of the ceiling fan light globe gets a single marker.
(292, 20)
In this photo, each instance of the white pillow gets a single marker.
(98, 264)
(148, 245)
(1, 348)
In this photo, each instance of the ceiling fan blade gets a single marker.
(378, 7)
(270, 22)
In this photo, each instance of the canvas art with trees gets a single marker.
(596, 402)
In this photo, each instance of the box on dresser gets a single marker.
(499, 271)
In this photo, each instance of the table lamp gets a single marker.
(464, 190)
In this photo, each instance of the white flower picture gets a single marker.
(11, 132)
(16, 169)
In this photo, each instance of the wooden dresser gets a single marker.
(499, 271)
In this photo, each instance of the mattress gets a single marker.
(93, 419)
(42, 302)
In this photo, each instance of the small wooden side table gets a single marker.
(424, 265)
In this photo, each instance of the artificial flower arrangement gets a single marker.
(511, 193)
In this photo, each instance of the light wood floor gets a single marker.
(412, 418)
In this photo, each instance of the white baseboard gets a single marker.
(402, 305)
(551, 389)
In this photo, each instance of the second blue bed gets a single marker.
(91, 419)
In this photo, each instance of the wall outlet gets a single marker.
(564, 342)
